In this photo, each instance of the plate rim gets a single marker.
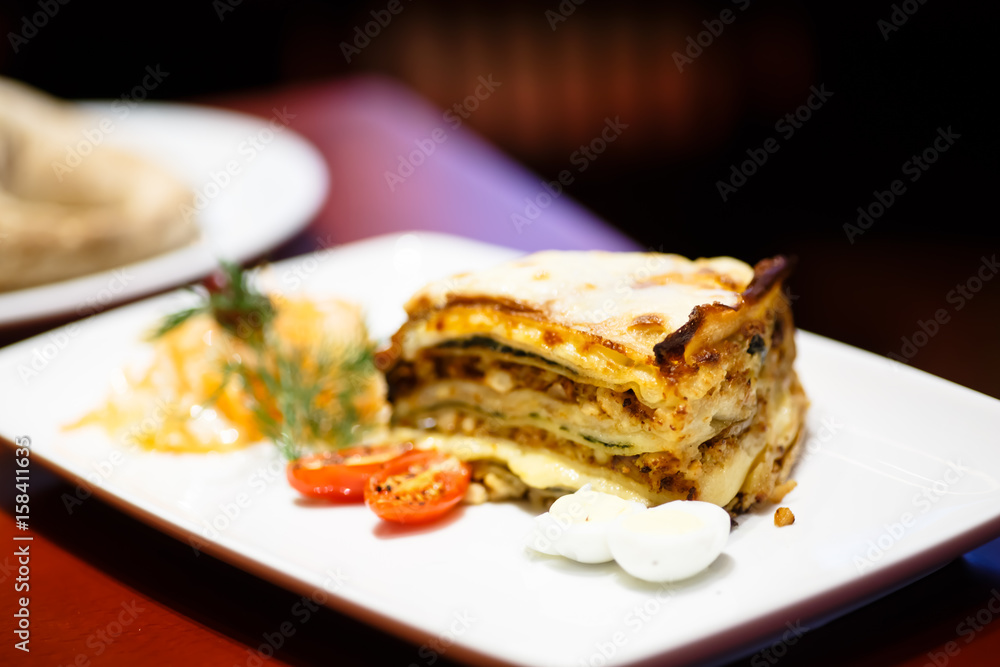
(198, 254)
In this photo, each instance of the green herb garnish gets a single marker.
(228, 296)
(301, 399)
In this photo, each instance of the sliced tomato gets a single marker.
(342, 475)
(417, 487)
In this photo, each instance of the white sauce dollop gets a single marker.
(576, 526)
(670, 542)
(667, 543)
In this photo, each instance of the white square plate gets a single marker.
(899, 475)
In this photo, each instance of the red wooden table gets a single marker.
(105, 589)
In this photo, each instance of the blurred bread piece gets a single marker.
(110, 209)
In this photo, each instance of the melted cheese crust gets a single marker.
(602, 292)
(599, 314)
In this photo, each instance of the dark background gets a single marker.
(658, 184)
(686, 129)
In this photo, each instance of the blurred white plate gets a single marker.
(281, 183)
(899, 475)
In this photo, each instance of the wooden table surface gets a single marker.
(106, 589)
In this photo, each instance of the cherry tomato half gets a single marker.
(341, 475)
(417, 487)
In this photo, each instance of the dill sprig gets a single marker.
(174, 320)
(227, 296)
(301, 399)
